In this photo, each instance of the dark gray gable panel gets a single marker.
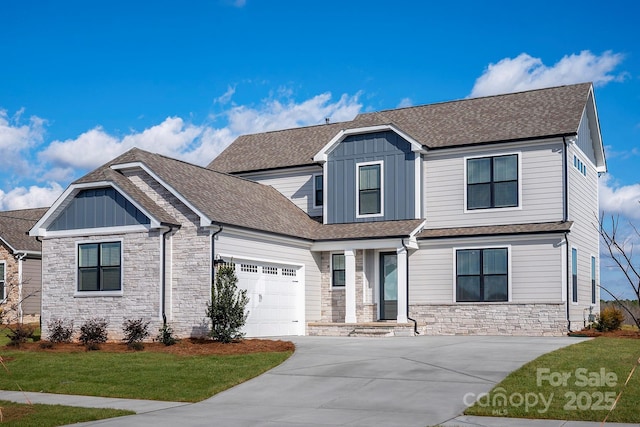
(96, 208)
(399, 176)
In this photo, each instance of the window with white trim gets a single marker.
(337, 270)
(249, 268)
(482, 275)
(269, 270)
(580, 165)
(492, 182)
(593, 280)
(370, 189)
(289, 272)
(3, 279)
(99, 266)
(318, 194)
(574, 274)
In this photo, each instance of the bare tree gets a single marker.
(621, 252)
(11, 310)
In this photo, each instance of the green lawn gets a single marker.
(23, 415)
(579, 382)
(137, 375)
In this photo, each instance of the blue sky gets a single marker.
(81, 82)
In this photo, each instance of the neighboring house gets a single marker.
(474, 216)
(20, 266)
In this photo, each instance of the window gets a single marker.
(317, 190)
(99, 266)
(492, 182)
(2, 280)
(269, 270)
(289, 272)
(370, 189)
(574, 274)
(249, 268)
(482, 275)
(337, 269)
(578, 164)
(593, 280)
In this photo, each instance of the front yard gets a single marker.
(580, 382)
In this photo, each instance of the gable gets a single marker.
(98, 208)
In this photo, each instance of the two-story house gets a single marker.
(474, 216)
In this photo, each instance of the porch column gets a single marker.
(350, 286)
(402, 285)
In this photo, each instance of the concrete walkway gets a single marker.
(400, 381)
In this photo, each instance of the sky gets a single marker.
(82, 82)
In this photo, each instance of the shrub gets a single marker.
(227, 306)
(20, 333)
(60, 330)
(165, 335)
(609, 319)
(135, 331)
(93, 332)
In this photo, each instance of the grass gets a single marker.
(594, 372)
(24, 415)
(139, 375)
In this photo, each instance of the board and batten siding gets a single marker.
(398, 176)
(536, 268)
(294, 184)
(584, 236)
(31, 286)
(264, 248)
(540, 199)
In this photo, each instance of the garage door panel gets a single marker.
(273, 299)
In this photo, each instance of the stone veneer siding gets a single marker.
(141, 283)
(333, 299)
(533, 319)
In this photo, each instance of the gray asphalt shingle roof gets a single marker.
(517, 116)
(496, 230)
(14, 226)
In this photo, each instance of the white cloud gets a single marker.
(17, 137)
(32, 197)
(525, 72)
(226, 97)
(405, 102)
(619, 200)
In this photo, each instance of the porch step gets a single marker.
(369, 329)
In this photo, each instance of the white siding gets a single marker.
(541, 197)
(31, 286)
(294, 184)
(585, 143)
(536, 268)
(265, 248)
(583, 210)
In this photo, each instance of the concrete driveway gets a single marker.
(399, 381)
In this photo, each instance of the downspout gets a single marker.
(415, 323)
(39, 240)
(20, 257)
(213, 253)
(565, 218)
(164, 273)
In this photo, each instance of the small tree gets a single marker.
(11, 311)
(227, 306)
(135, 331)
(620, 250)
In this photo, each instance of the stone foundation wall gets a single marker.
(534, 319)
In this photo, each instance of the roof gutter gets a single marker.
(503, 141)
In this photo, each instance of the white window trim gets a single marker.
(455, 273)
(577, 293)
(82, 294)
(506, 209)
(381, 213)
(331, 254)
(595, 261)
(3, 297)
(315, 206)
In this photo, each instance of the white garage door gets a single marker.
(275, 303)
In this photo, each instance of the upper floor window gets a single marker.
(317, 190)
(492, 182)
(482, 275)
(99, 266)
(337, 270)
(370, 190)
(2, 280)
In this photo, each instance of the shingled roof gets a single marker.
(541, 113)
(14, 226)
(497, 230)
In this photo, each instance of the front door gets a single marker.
(388, 286)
